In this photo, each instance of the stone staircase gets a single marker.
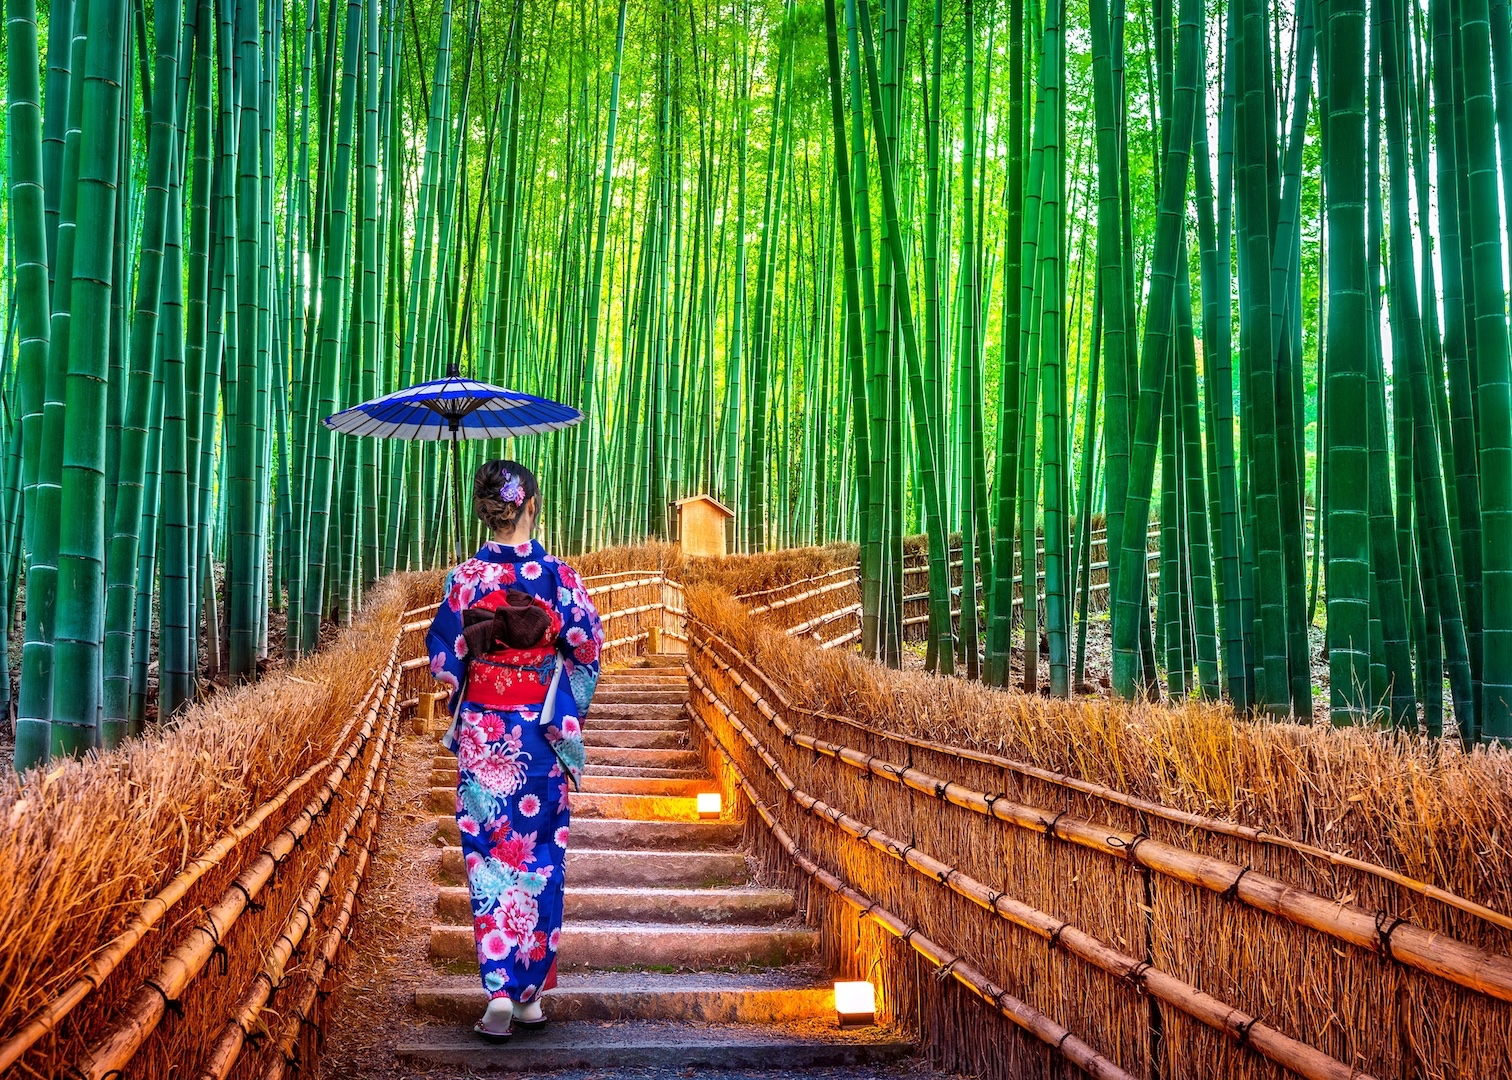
(671, 957)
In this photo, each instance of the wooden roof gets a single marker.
(708, 499)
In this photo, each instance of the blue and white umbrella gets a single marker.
(454, 409)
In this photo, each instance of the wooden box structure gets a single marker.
(701, 525)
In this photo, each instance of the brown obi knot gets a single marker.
(517, 623)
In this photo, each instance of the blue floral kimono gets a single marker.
(513, 772)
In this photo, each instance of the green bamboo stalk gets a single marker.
(28, 240)
(583, 443)
(337, 237)
(81, 525)
(1493, 376)
(1169, 231)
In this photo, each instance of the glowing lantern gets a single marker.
(708, 804)
(856, 1004)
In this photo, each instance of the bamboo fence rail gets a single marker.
(1242, 1027)
(1356, 968)
(1173, 814)
(243, 1024)
(632, 611)
(163, 990)
(916, 568)
(212, 948)
(1052, 1034)
(1469, 966)
(155, 907)
(1143, 806)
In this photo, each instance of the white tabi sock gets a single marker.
(496, 1018)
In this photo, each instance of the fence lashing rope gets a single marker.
(1386, 925)
(1130, 847)
(942, 972)
(1136, 975)
(1232, 892)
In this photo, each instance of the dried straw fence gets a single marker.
(1139, 892)
(176, 908)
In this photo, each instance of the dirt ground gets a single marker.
(386, 957)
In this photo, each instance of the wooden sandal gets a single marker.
(494, 1037)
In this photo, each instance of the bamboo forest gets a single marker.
(1222, 285)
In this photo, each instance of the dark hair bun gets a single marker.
(501, 488)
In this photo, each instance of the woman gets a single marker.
(517, 640)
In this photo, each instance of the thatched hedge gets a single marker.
(1247, 804)
(246, 794)
(740, 574)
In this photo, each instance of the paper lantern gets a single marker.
(708, 804)
(856, 1004)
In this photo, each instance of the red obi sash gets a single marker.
(506, 678)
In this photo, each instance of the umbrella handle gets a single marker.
(456, 490)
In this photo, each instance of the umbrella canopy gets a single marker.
(454, 408)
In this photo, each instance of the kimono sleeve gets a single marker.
(445, 644)
(581, 639)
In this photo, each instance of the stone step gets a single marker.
(762, 997)
(445, 778)
(589, 804)
(615, 696)
(643, 869)
(680, 725)
(638, 904)
(599, 784)
(614, 834)
(599, 776)
(640, 770)
(632, 807)
(658, 661)
(673, 800)
(614, 688)
(637, 739)
(656, 757)
(625, 945)
(601, 713)
(666, 1046)
(645, 677)
(645, 758)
